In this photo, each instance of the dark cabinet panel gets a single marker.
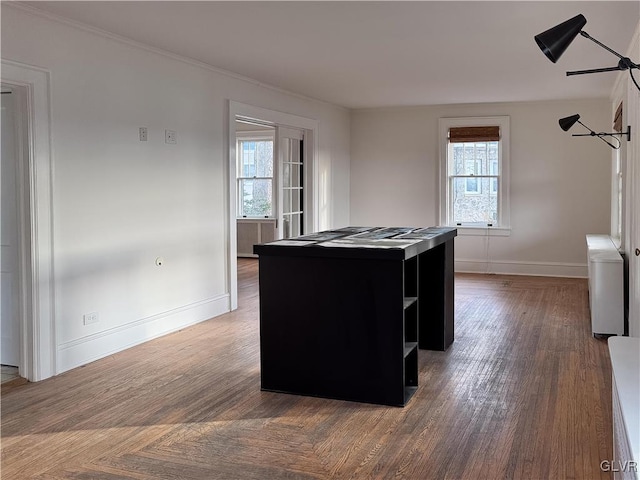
(346, 322)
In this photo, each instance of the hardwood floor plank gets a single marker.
(523, 393)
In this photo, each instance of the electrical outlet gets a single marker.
(170, 137)
(143, 134)
(89, 318)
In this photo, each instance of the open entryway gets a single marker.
(13, 143)
(27, 320)
(272, 192)
(256, 185)
(270, 181)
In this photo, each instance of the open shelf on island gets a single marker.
(408, 346)
(408, 301)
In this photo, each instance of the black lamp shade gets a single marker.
(567, 122)
(555, 41)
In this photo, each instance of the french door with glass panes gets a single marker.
(291, 181)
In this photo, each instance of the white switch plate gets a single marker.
(170, 136)
(89, 318)
(143, 134)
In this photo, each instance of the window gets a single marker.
(617, 186)
(255, 176)
(474, 172)
(616, 203)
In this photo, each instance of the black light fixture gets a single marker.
(556, 40)
(567, 122)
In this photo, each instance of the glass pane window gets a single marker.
(480, 207)
(256, 197)
(255, 168)
(474, 176)
(472, 186)
(256, 158)
(494, 186)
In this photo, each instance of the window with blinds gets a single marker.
(474, 159)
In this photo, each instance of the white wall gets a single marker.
(119, 203)
(560, 185)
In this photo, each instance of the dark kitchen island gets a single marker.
(343, 312)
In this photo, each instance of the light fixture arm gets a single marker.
(625, 63)
(597, 42)
(596, 70)
(602, 134)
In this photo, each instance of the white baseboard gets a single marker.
(94, 347)
(538, 269)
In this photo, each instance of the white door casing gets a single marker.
(35, 225)
(290, 185)
(9, 238)
(634, 207)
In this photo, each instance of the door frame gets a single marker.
(274, 118)
(633, 164)
(13, 323)
(37, 297)
(282, 133)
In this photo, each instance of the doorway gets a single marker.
(37, 348)
(270, 193)
(294, 179)
(270, 181)
(12, 142)
(256, 186)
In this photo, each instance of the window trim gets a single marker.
(503, 226)
(618, 183)
(617, 198)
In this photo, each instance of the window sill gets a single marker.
(483, 231)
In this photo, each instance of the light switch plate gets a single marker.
(170, 137)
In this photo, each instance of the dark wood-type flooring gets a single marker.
(523, 393)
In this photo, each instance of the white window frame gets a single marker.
(617, 198)
(502, 225)
(260, 136)
(492, 190)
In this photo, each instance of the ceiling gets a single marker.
(379, 54)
